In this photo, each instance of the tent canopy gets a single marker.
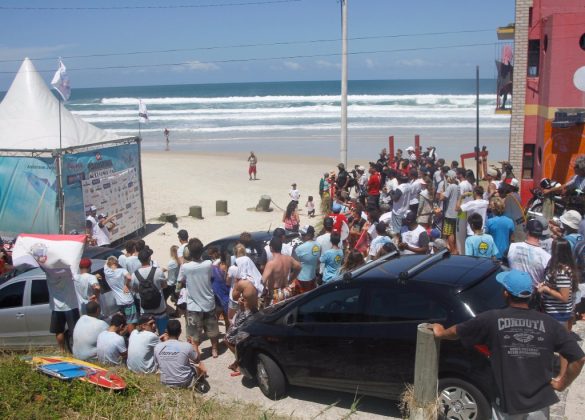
(29, 117)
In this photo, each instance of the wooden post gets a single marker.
(221, 208)
(391, 149)
(417, 145)
(196, 212)
(426, 372)
(264, 203)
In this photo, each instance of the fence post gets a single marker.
(426, 372)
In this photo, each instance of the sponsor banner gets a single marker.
(116, 194)
(28, 195)
(94, 166)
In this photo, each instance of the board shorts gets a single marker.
(396, 223)
(449, 226)
(304, 286)
(130, 313)
(252, 170)
(60, 318)
(278, 295)
(206, 321)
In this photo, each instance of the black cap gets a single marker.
(534, 227)
(410, 216)
(328, 222)
(183, 235)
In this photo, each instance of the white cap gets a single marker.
(410, 149)
(514, 182)
(572, 218)
(492, 172)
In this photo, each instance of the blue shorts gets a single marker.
(130, 313)
(561, 317)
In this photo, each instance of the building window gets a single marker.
(582, 42)
(533, 57)
(545, 43)
(528, 162)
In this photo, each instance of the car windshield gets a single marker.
(485, 295)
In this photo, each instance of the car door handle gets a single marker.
(19, 315)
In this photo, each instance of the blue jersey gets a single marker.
(308, 255)
(333, 259)
(480, 246)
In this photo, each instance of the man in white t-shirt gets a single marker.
(528, 256)
(477, 205)
(183, 239)
(141, 346)
(465, 187)
(111, 347)
(157, 277)
(102, 229)
(401, 199)
(293, 193)
(415, 188)
(86, 333)
(86, 285)
(90, 223)
(379, 241)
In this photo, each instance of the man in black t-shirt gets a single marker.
(342, 178)
(522, 343)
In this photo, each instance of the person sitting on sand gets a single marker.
(141, 346)
(178, 361)
(111, 347)
(86, 333)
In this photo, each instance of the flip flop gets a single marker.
(236, 373)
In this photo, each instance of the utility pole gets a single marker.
(343, 142)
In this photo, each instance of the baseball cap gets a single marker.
(85, 263)
(294, 184)
(361, 168)
(534, 227)
(451, 173)
(101, 216)
(410, 149)
(183, 235)
(517, 283)
(492, 172)
(572, 218)
(307, 230)
(514, 182)
(336, 207)
(410, 216)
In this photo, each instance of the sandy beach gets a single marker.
(173, 181)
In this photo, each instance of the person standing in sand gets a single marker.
(253, 160)
(166, 133)
(278, 272)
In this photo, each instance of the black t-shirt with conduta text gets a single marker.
(522, 343)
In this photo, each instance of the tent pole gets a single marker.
(60, 202)
(139, 142)
(60, 141)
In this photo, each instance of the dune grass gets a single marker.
(28, 394)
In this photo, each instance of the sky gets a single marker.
(215, 41)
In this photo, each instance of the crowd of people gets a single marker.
(414, 204)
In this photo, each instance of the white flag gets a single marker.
(142, 112)
(60, 82)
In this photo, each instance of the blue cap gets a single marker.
(517, 283)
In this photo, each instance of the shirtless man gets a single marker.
(277, 273)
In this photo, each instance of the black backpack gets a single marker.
(149, 295)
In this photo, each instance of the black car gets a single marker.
(259, 241)
(358, 334)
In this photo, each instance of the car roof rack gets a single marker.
(424, 264)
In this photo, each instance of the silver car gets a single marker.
(25, 316)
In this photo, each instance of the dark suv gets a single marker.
(358, 334)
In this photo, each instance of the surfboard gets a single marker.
(94, 374)
(461, 232)
(64, 370)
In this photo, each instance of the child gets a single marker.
(480, 244)
(310, 205)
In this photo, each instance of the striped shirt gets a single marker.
(563, 280)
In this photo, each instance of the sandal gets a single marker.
(235, 373)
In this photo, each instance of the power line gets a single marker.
(267, 44)
(178, 6)
(240, 60)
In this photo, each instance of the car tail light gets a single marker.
(483, 349)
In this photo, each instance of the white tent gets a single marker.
(47, 154)
(29, 117)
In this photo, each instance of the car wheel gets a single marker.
(460, 400)
(270, 378)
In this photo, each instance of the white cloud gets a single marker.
(370, 63)
(292, 65)
(196, 65)
(415, 62)
(324, 64)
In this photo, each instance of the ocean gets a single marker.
(301, 118)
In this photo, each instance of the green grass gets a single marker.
(28, 394)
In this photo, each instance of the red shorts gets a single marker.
(252, 170)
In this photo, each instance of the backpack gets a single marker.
(149, 294)
(579, 255)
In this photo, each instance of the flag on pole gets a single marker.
(60, 82)
(142, 112)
